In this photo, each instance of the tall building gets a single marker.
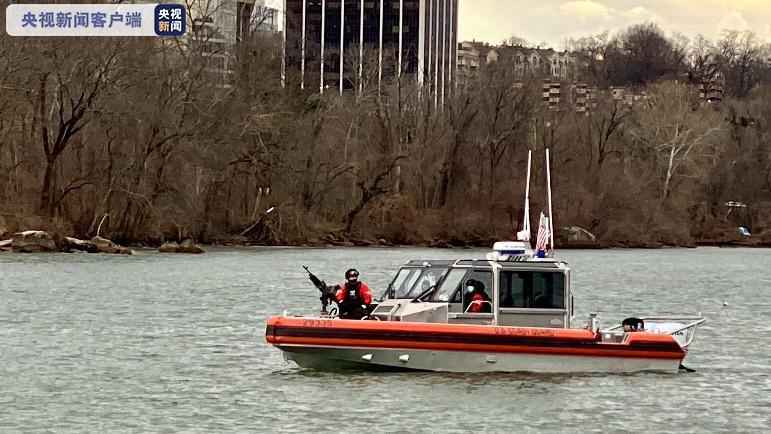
(381, 40)
(230, 21)
(220, 25)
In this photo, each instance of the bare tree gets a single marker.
(643, 54)
(604, 123)
(516, 41)
(67, 91)
(675, 131)
(505, 113)
(704, 62)
(460, 115)
(593, 54)
(741, 57)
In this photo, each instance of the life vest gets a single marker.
(353, 299)
(478, 304)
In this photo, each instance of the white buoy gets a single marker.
(725, 303)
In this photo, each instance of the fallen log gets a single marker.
(106, 246)
(187, 246)
(73, 244)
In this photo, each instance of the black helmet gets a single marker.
(352, 275)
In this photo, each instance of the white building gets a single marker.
(527, 62)
(218, 26)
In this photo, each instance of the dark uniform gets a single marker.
(353, 297)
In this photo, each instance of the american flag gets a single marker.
(543, 234)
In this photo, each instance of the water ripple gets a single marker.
(165, 343)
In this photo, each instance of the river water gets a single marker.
(175, 343)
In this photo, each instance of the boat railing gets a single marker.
(480, 302)
(685, 324)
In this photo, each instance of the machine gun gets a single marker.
(327, 293)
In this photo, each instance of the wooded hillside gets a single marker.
(139, 131)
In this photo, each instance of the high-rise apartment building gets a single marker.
(220, 25)
(230, 21)
(348, 44)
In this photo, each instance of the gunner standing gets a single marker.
(353, 297)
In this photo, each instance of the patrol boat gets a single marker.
(425, 323)
(431, 318)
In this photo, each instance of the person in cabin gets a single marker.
(353, 297)
(633, 325)
(480, 303)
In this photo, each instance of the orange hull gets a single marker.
(468, 338)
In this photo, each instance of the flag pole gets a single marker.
(551, 218)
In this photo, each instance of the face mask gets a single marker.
(470, 289)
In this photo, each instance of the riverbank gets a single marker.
(169, 247)
(571, 237)
(456, 244)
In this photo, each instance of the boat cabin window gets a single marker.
(480, 280)
(453, 289)
(532, 289)
(411, 282)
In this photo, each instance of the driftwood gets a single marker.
(33, 242)
(577, 233)
(5, 245)
(187, 246)
(74, 244)
(106, 246)
(259, 223)
(42, 241)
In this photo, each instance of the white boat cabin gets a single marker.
(517, 288)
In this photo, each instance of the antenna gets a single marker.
(524, 235)
(551, 218)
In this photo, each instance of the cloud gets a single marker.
(585, 9)
(733, 21)
(640, 14)
(555, 20)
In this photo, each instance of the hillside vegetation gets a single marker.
(140, 132)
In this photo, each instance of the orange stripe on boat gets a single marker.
(433, 336)
(578, 335)
(622, 351)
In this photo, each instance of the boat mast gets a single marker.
(525, 234)
(551, 218)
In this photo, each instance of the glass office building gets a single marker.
(353, 44)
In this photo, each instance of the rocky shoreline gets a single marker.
(330, 241)
(35, 241)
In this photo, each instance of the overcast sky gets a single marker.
(552, 21)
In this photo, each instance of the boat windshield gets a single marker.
(450, 284)
(410, 282)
